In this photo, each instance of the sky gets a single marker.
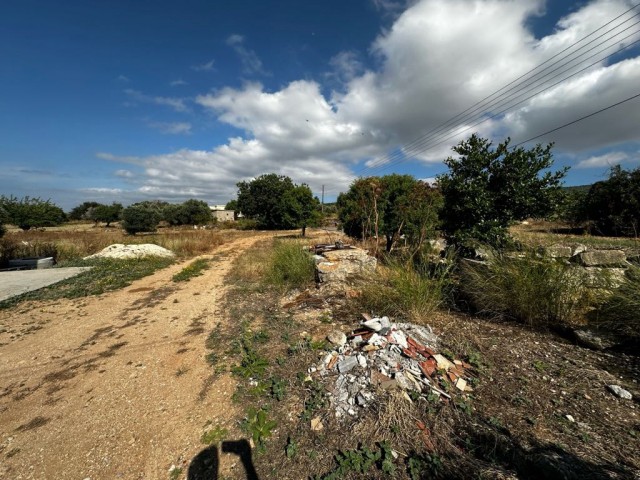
(137, 100)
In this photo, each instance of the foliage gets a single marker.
(621, 310)
(105, 213)
(141, 217)
(29, 212)
(487, 188)
(194, 269)
(362, 461)
(252, 365)
(80, 212)
(232, 205)
(4, 219)
(214, 436)
(106, 274)
(570, 207)
(537, 291)
(191, 212)
(393, 205)
(612, 206)
(290, 266)
(403, 290)
(275, 202)
(259, 426)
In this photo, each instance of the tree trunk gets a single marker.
(304, 230)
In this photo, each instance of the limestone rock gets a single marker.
(339, 265)
(620, 392)
(336, 337)
(558, 251)
(121, 251)
(602, 258)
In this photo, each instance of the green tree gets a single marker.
(4, 219)
(612, 206)
(29, 212)
(141, 217)
(231, 205)
(276, 203)
(195, 212)
(105, 213)
(393, 206)
(80, 212)
(488, 188)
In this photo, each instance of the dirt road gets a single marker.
(114, 386)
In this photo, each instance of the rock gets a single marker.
(316, 424)
(121, 251)
(579, 248)
(336, 337)
(570, 418)
(620, 392)
(595, 341)
(438, 245)
(558, 251)
(340, 265)
(599, 277)
(373, 324)
(347, 364)
(484, 254)
(601, 258)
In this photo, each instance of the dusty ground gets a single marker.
(114, 386)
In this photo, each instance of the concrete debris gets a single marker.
(381, 355)
(316, 424)
(620, 392)
(337, 338)
(121, 251)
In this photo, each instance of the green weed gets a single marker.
(362, 461)
(194, 269)
(258, 425)
(252, 365)
(290, 266)
(291, 449)
(175, 473)
(620, 312)
(214, 436)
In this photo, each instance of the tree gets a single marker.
(612, 206)
(488, 188)
(4, 219)
(80, 212)
(194, 212)
(105, 213)
(141, 217)
(231, 205)
(29, 212)
(276, 203)
(393, 205)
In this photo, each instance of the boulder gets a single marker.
(558, 251)
(601, 258)
(593, 340)
(340, 265)
(120, 251)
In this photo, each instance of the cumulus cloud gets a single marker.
(172, 128)
(606, 160)
(178, 104)
(204, 67)
(251, 63)
(178, 83)
(437, 59)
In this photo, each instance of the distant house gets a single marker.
(222, 215)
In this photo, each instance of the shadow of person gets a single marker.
(205, 465)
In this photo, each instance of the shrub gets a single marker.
(290, 266)
(536, 291)
(140, 217)
(404, 291)
(29, 212)
(621, 311)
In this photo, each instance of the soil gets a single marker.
(115, 386)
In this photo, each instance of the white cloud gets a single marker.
(251, 63)
(204, 67)
(172, 128)
(178, 83)
(111, 191)
(346, 65)
(124, 173)
(606, 160)
(178, 104)
(123, 79)
(437, 59)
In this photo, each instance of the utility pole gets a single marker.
(322, 201)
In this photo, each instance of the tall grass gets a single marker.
(290, 265)
(620, 312)
(404, 290)
(536, 291)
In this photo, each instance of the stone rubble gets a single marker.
(121, 251)
(620, 392)
(385, 355)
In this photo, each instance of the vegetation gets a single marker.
(488, 188)
(276, 203)
(31, 212)
(80, 212)
(191, 212)
(290, 266)
(393, 206)
(141, 217)
(620, 312)
(536, 291)
(105, 213)
(612, 207)
(4, 218)
(194, 269)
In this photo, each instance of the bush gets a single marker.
(290, 266)
(140, 217)
(403, 291)
(29, 212)
(621, 311)
(4, 218)
(536, 291)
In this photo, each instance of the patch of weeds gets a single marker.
(258, 425)
(540, 366)
(325, 318)
(214, 436)
(419, 465)
(212, 358)
(291, 449)
(496, 422)
(475, 360)
(194, 269)
(261, 336)
(318, 345)
(278, 388)
(181, 371)
(281, 361)
(290, 266)
(362, 460)
(175, 473)
(106, 274)
(252, 364)
(315, 401)
(464, 404)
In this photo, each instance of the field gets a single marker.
(198, 370)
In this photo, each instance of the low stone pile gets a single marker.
(121, 251)
(385, 355)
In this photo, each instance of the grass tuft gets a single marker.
(194, 269)
(620, 312)
(290, 266)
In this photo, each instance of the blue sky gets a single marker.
(125, 101)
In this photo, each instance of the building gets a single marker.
(222, 215)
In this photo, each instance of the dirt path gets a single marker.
(113, 386)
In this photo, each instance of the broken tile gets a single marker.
(316, 424)
(442, 362)
(461, 384)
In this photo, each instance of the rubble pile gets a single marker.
(382, 354)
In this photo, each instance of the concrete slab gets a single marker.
(23, 281)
